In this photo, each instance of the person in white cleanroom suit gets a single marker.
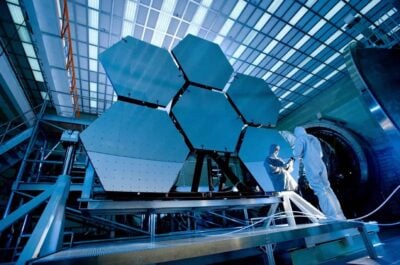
(308, 148)
(279, 170)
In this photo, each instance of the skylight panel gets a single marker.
(288, 55)
(282, 81)
(308, 91)
(197, 20)
(226, 27)
(93, 103)
(163, 22)
(24, 34)
(291, 73)
(93, 52)
(207, 3)
(130, 10)
(283, 32)
(93, 87)
(319, 83)
(270, 46)
(16, 14)
(259, 58)
(287, 93)
(239, 51)
(232, 61)
(218, 40)
(298, 16)
(276, 66)
(333, 57)
(29, 51)
(342, 67)
(310, 3)
(93, 18)
(249, 38)
(157, 39)
(368, 7)
(34, 64)
(305, 79)
(262, 21)
(127, 29)
(317, 27)
(44, 95)
(93, 4)
(93, 36)
(331, 74)
(318, 50)
(38, 76)
(333, 37)
(319, 68)
(334, 10)
(303, 40)
(237, 10)
(267, 75)
(295, 87)
(93, 65)
(249, 69)
(274, 6)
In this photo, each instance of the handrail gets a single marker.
(12, 124)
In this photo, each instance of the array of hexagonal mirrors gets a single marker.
(139, 144)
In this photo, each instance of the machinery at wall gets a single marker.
(172, 172)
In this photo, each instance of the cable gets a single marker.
(379, 207)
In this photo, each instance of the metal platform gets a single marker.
(203, 244)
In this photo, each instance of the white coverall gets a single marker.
(309, 149)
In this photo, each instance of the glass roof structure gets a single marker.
(296, 46)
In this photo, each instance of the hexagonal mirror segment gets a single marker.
(141, 71)
(254, 150)
(255, 100)
(202, 62)
(208, 120)
(133, 147)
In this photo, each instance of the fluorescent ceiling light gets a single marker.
(283, 32)
(237, 10)
(249, 38)
(162, 23)
(239, 51)
(218, 40)
(300, 43)
(249, 69)
(44, 95)
(130, 10)
(359, 36)
(93, 36)
(197, 20)
(368, 7)
(298, 16)
(38, 76)
(157, 39)
(16, 14)
(24, 34)
(93, 52)
(333, 57)
(273, 88)
(282, 81)
(287, 93)
(259, 58)
(93, 65)
(342, 67)
(291, 73)
(333, 37)
(93, 4)
(232, 60)
(13, 2)
(93, 18)
(270, 46)
(226, 27)
(262, 21)
(318, 50)
(115, 97)
(34, 64)
(274, 6)
(310, 3)
(334, 10)
(29, 51)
